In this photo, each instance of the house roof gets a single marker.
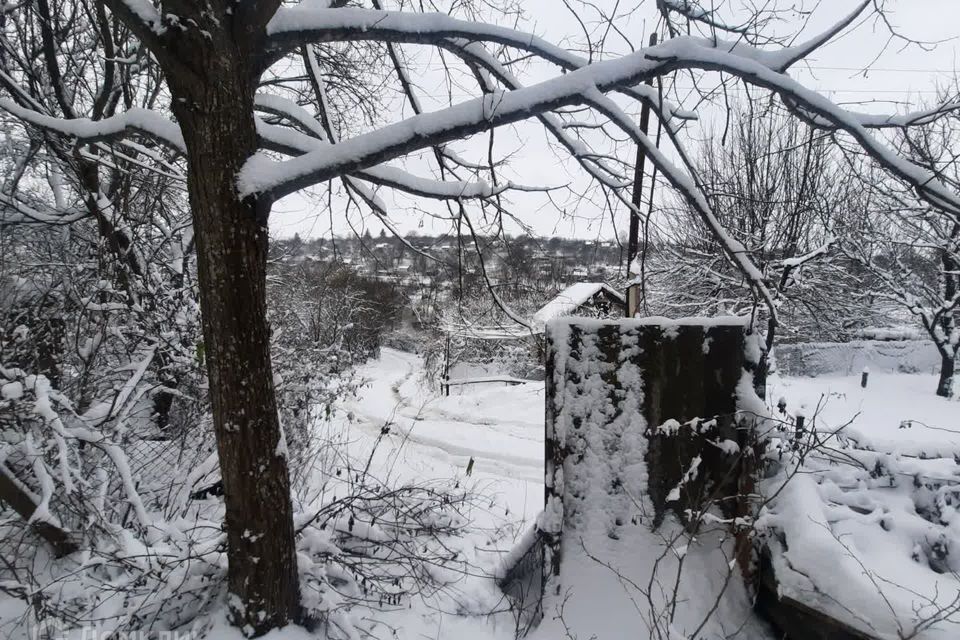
(568, 300)
(565, 303)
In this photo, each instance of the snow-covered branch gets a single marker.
(294, 143)
(277, 105)
(754, 65)
(134, 120)
(293, 25)
(688, 187)
(18, 212)
(139, 13)
(799, 261)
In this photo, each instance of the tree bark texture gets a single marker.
(948, 366)
(215, 111)
(948, 322)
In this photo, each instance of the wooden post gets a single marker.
(445, 385)
(863, 377)
(633, 240)
(633, 300)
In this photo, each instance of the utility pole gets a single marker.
(633, 240)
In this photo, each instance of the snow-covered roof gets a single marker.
(566, 302)
(572, 297)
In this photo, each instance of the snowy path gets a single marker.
(453, 429)
(432, 439)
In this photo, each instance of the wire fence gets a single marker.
(164, 471)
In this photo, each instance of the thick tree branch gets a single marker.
(294, 143)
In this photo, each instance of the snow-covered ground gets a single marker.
(500, 427)
(835, 518)
(434, 438)
(894, 411)
(872, 529)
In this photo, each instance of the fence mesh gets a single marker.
(161, 468)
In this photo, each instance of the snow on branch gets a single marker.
(146, 12)
(135, 120)
(429, 129)
(679, 54)
(270, 103)
(295, 25)
(794, 54)
(799, 261)
(16, 211)
(292, 25)
(882, 121)
(595, 167)
(294, 143)
(686, 185)
(752, 64)
(502, 107)
(693, 11)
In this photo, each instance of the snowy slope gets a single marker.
(433, 438)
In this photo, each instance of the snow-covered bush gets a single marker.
(325, 320)
(106, 426)
(148, 553)
(867, 537)
(368, 545)
(107, 488)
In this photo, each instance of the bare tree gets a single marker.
(221, 65)
(908, 246)
(772, 182)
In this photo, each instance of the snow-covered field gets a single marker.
(500, 428)
(871, 526)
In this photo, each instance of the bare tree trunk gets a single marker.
(948, 365)
(951, 283)
(215, 110)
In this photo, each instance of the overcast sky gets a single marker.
(899, 75)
